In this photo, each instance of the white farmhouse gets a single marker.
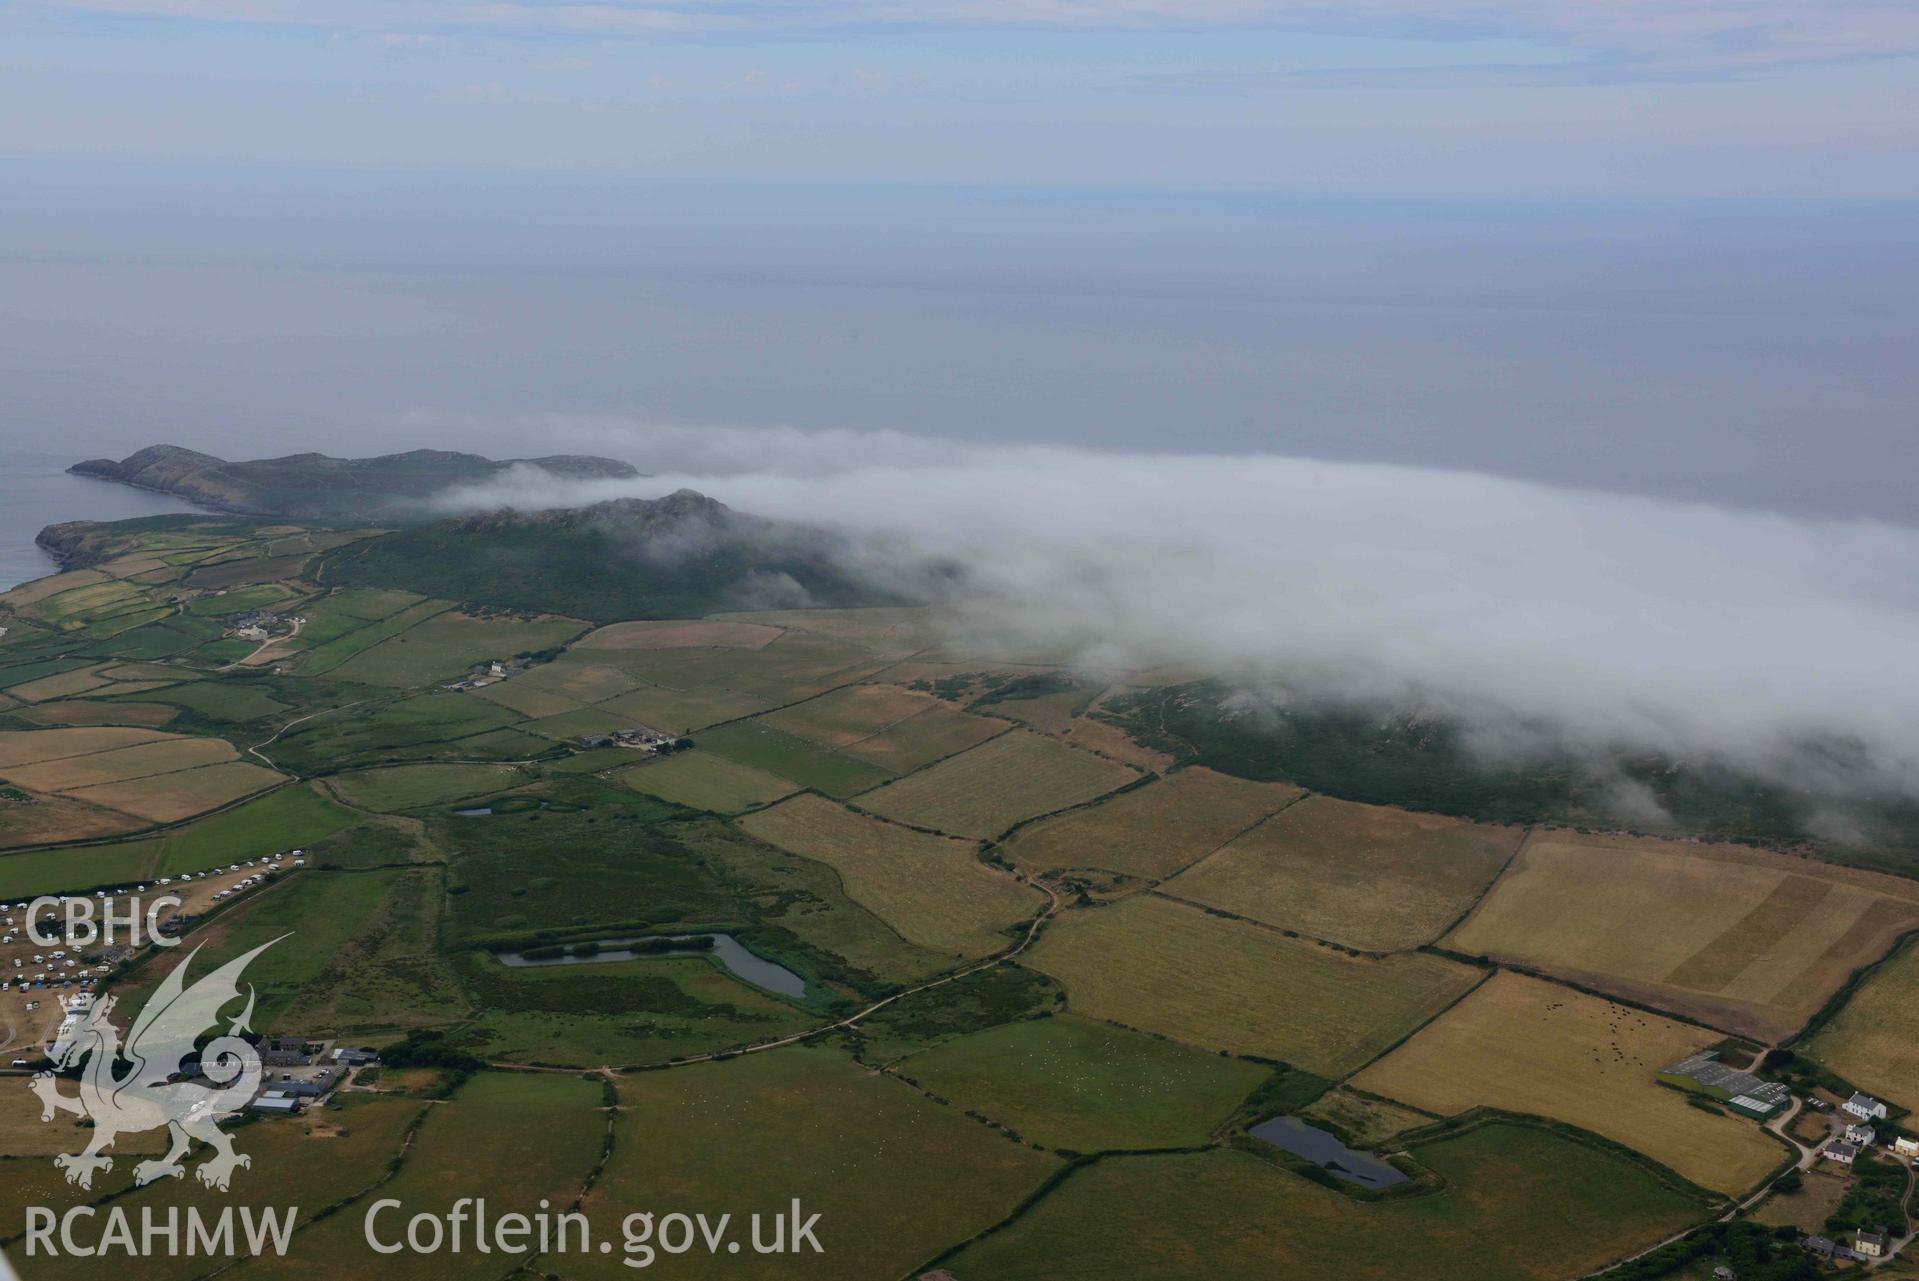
(1865, 1107)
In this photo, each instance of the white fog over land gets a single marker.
(1625, 621)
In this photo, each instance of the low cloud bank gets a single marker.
(1597, 620)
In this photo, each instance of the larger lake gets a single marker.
(729, 951)
(1327, 1152)
(35, 491)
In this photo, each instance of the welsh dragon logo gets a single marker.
(137, 1086)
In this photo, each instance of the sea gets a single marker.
(36, 491)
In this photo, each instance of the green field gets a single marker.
(331, 617)
(760, 746)
(521, 1138)
(444, 646)
(436, 718)
(314, 1162)
(619, 1013)
(281, 820)
(354, 949)
(325, 657)
(985, 791)
(82, 867)
(241, 601)
(225, 700)
(611, 863)
(1232, 1216)
(704, 781)
(1220, 984)
(893, 1175)
(405, 787)
(1072, 1083)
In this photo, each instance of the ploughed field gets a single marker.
(1046, 971)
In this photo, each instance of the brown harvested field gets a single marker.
(843, 717)
(1153, 831)
(1368, 876)
(932, 890)
(167, 798)
(681, 634)
(73, 772)
(1110, 740)
(905, 628)
(986, 790)
(1745, 939)
(1159, 966)
(84, 711)
(1874, 1039)
(27, 747)
(706, 782)
(63, 685)
(1525, 1045)
(1067, 716)
(50, 818)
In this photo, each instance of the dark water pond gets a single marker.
(730, 952)
(1327, 1152)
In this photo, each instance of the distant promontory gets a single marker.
(318, 487)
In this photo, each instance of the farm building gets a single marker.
(1762, 1104)
(1865, 1107)
(1818, 1247)
(285, 1051)
(1742, 1091)
(276, 1105)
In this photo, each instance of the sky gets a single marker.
(1661, 246)
(1502, 97)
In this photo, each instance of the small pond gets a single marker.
(1327, 1152)
(730, 952)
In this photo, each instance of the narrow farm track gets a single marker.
(298, 720)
